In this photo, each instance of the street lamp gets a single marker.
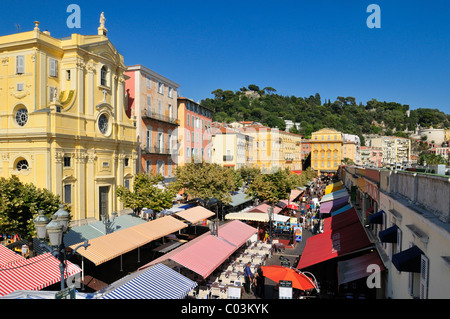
(55, 229)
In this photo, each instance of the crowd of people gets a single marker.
(308, 215)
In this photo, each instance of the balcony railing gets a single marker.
(159, 150)
(159, 117)
(227, 158)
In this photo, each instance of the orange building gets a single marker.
(152, 102)
(194, 134)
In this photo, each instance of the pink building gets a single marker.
(194, 135)
(371, 156)
(443, 151)
(152, 102)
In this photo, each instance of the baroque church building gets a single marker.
(63, 123)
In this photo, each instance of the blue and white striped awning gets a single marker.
(158, 282)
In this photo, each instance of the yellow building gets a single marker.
(290, 151)
(447, 135)
(267, 146)
(326, 150)
(349, 150)
(63, 125)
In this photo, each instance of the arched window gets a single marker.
(22, 165)
(103, 76)
(103, 123)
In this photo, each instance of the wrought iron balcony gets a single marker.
(159, 117)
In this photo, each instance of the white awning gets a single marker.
(259, 217)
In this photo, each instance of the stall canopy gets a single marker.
(7, 256)
(236, 232)
(263, 208)
(157, 282)
(332, 244)
(358, 267)
(334, 195)
(295, 193)
(195, 214)
(333, 187)
(341, 210)
(239, 198)
(331, 206)
(97, 229)
(110, 246)
(206, 252)
(282, 203)
(33, 274)
(257, 216)
(205, 256)
(341, 220)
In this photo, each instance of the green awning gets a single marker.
(239, 198)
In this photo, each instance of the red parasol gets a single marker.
(277, 273)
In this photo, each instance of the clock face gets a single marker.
(22, 117)
(103, 123)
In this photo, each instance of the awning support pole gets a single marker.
(82, 272)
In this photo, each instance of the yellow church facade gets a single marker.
(63, 124)
(326, 150)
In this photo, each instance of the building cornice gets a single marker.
(152, 74)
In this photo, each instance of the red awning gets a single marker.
(8, 256)
(33, 274)
(356, 268)
(333, 243)
(341, 220)
(236, 232)
(206, 252)
(204, 256)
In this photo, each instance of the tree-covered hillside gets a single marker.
(343, 114)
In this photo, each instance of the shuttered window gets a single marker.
(20, 64)
(53, 68)
(424, 277)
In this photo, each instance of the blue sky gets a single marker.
(297, 47)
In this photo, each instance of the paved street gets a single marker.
(290, 253)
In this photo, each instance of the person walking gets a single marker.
(248, 275)
(260, 283)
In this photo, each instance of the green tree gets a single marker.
(273, 187)
(206, 181)
(19, 205)
(253, 87)
(431, 159)
(248, 174)
(146, 194)
(348, 161)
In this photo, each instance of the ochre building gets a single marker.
(63, 124)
